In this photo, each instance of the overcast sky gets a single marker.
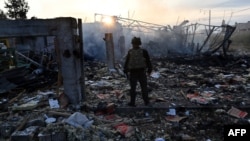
(164, 12)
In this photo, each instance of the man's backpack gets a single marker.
(136, 59)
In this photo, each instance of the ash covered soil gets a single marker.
(192, 98)
(223, 84)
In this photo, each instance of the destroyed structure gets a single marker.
(67, 47)
(70, 85)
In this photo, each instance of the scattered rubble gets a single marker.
(192, 98)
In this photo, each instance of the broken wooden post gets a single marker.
(82, 78)
(226, 42)
(121, 43)
(110, 50)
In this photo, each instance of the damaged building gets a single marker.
(63, 80)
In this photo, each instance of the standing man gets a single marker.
(138, 66)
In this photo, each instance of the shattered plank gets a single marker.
(4, 113)
(59, 113)
(17, 97)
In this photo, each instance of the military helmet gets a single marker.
(136, 41)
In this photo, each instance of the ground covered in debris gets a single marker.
(192, 99)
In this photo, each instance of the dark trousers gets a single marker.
(141, 77)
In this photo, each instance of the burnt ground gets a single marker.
(201, 89)
(223, 81)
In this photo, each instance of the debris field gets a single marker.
(192, 97)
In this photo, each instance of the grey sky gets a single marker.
(234, 3)
(155, 11)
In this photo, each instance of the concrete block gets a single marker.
(58, 136)
(6, 129)
(44, 137)
(25, 135)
